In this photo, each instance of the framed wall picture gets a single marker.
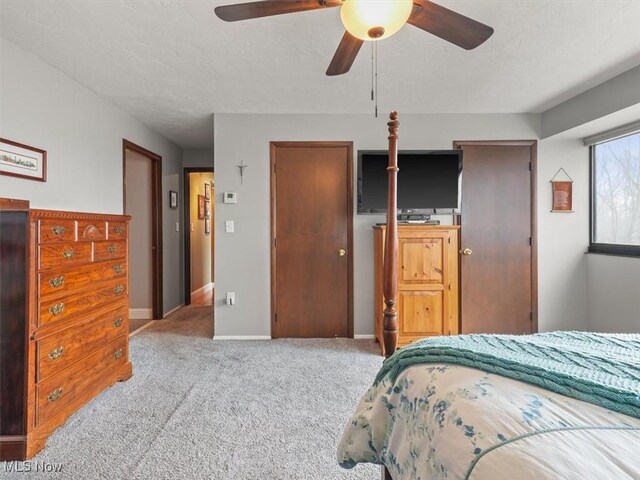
(18, 160)
(207, 226)
(207, 190)
(207, 209)
(201, 202)
(173, 199)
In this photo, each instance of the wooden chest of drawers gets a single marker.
(77, 323)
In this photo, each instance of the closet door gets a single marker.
(498, 261)
(312, 262)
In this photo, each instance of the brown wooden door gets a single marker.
(498, 271)
(311, 205)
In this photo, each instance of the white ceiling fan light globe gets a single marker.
(360, 16)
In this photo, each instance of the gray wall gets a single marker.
(197, 157)
(82, 135)
(613, 283)
(616, 94)
(614, 294)
(242, 258)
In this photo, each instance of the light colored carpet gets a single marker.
(203, 409)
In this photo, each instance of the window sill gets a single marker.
(615, 251)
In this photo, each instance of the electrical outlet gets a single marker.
(231, 298)
(177, 226)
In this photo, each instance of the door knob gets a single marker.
(467, 251)
(342, 252)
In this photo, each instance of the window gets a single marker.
(615, 196)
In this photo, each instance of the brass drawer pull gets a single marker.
(118, 289)
(118, 353)
(117, 322)
(118, 230)
(58, 229)
(56, 282)
(112, 249)
(118, 268)
(57, 353)
(56, 309)
(55, 395)
(68, 253)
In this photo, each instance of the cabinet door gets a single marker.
(423, 284)
(422, 312)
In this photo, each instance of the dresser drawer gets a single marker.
(54, 394)
(117, 231)
(61, 309)
(64, 255)
(110, 250)
(56, 352)
(90, 230)
(56, 231)
(58, 282)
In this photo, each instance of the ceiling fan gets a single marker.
(371, 20)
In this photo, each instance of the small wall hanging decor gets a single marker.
(242, 166)
(207, 209)
(562, 191)
(207, 226)
(18, 160)
(207, 190)
(173, 199)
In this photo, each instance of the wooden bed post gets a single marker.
(390, 269)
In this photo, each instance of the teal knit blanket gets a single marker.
(603, 369)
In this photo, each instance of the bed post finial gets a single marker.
(390, 272)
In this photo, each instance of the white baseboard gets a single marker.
(173, 310)
(205, 289)
(146, 325)
(242, 337)
(141, 313)
(364, 337)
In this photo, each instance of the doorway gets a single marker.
(498, 252)
(311, 239)
(142, 190)
(199, 212)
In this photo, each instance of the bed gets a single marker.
(560, 405)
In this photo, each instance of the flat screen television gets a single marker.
(429, 181)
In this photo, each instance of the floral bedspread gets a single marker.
(441, 421)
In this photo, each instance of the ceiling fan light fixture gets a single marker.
(375, 19)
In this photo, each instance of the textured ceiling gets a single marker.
(172, 63)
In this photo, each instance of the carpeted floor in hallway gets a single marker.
(197, 408)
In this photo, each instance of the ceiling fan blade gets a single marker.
(449, 25)
(345, 55)
(267, 8)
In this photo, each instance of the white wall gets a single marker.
(614, 293)
(82, 134)
(242, 258)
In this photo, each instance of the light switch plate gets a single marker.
(229, 226)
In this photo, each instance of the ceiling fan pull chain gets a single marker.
(372, 98)
(376, 62)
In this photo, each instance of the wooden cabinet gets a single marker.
(76, 333)
(427, 282)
